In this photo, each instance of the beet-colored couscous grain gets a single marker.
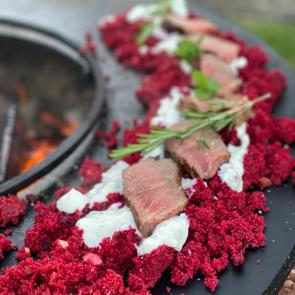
(5, 245)
(11, 209)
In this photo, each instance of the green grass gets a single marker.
(278, 35)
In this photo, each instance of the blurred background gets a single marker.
(271, 20)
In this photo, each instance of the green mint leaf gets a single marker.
(188, 50)
(206, 86)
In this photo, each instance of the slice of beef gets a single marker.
(190, 25)
(220, 71)
(225, 49)
(152, 191)
(201, 153)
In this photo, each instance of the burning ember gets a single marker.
(33, 138)
(38, 154)
(41, 148)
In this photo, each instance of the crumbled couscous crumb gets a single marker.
(11, 209)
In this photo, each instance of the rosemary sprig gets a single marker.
(215, 119)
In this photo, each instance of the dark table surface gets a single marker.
(71, 18)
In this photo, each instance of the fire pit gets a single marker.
(50, 97)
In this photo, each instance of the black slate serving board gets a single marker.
(72, 19)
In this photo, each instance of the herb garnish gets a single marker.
(217, 120)
(145, 32)
(160, 9)
(189, 50)
(206, 86)
(202, 143)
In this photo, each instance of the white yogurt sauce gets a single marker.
(168, 45)
(172, 232)
(97, 225)
(168, 113)
(72, 201)
(187, 182)
(186, 67)
(157, 152)
(111, 183)
(143, 49)
(238, 64)
(179, 7)
(160, 33)
(232, 172)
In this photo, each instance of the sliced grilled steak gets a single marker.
(225, 49)
(201, 153)
(191, 26)
(152, 190)
(220, 71)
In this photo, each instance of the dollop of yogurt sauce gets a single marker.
(167, 115)
(186, 67)
(72, 201)
(157, 152)
(187, 182)
(168, 45)
(111, 183)
(238, 64)
(97, 225)
(233, 171)
(172, 232)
